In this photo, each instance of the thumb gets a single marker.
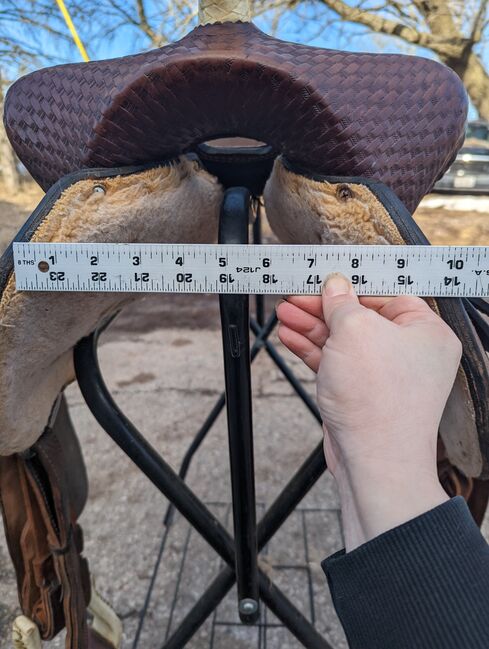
(338, 299)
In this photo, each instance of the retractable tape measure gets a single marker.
(437, 271)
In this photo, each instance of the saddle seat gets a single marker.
(388, 117)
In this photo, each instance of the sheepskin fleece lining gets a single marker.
(179, 203)
(302, 210)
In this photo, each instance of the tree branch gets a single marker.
(479, 23)
(144, 24)
(447, 47)
(130, 19)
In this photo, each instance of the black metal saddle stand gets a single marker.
(244, 176)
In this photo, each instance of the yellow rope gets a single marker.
(72, 28)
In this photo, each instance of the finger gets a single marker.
(405, 309)
(374, 302)
(303, 323)
(338, 300)
(300, 346)
(312, 303)
(309, 303)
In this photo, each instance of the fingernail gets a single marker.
(278, 303)
(336, 284)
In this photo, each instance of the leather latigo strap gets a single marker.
(456, 483)
(397, 119)
(43, 492)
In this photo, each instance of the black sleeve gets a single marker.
(424, 584)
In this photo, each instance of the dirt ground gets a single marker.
(15, 209)
(162, 361)
(454, 227)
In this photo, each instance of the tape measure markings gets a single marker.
(438, 271)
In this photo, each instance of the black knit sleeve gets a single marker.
(424, 584)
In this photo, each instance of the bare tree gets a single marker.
(454, 30)
(146, 23)
(26, 26)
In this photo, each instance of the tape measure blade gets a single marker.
(438, 271)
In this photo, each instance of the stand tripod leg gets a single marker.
(233, 228)
(257, 227)
(130, 440)
(297, 488)
(288, 374)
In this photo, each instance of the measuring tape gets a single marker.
(438, 271)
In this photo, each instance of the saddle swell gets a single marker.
(391, 118)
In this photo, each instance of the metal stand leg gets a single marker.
(185, 465)
(298, 487)
(233, 228)
(130, 440)
(259, 299)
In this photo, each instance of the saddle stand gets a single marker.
(241, 553)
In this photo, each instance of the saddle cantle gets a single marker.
(355, 141)
(393, 118)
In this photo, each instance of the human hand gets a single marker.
(385, 369)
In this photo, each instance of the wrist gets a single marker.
(375, 499)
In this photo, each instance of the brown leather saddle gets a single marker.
(392, 118)
(352, 142)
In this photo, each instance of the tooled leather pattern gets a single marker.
(397, 119)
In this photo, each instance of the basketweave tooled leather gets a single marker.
(393, 118)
